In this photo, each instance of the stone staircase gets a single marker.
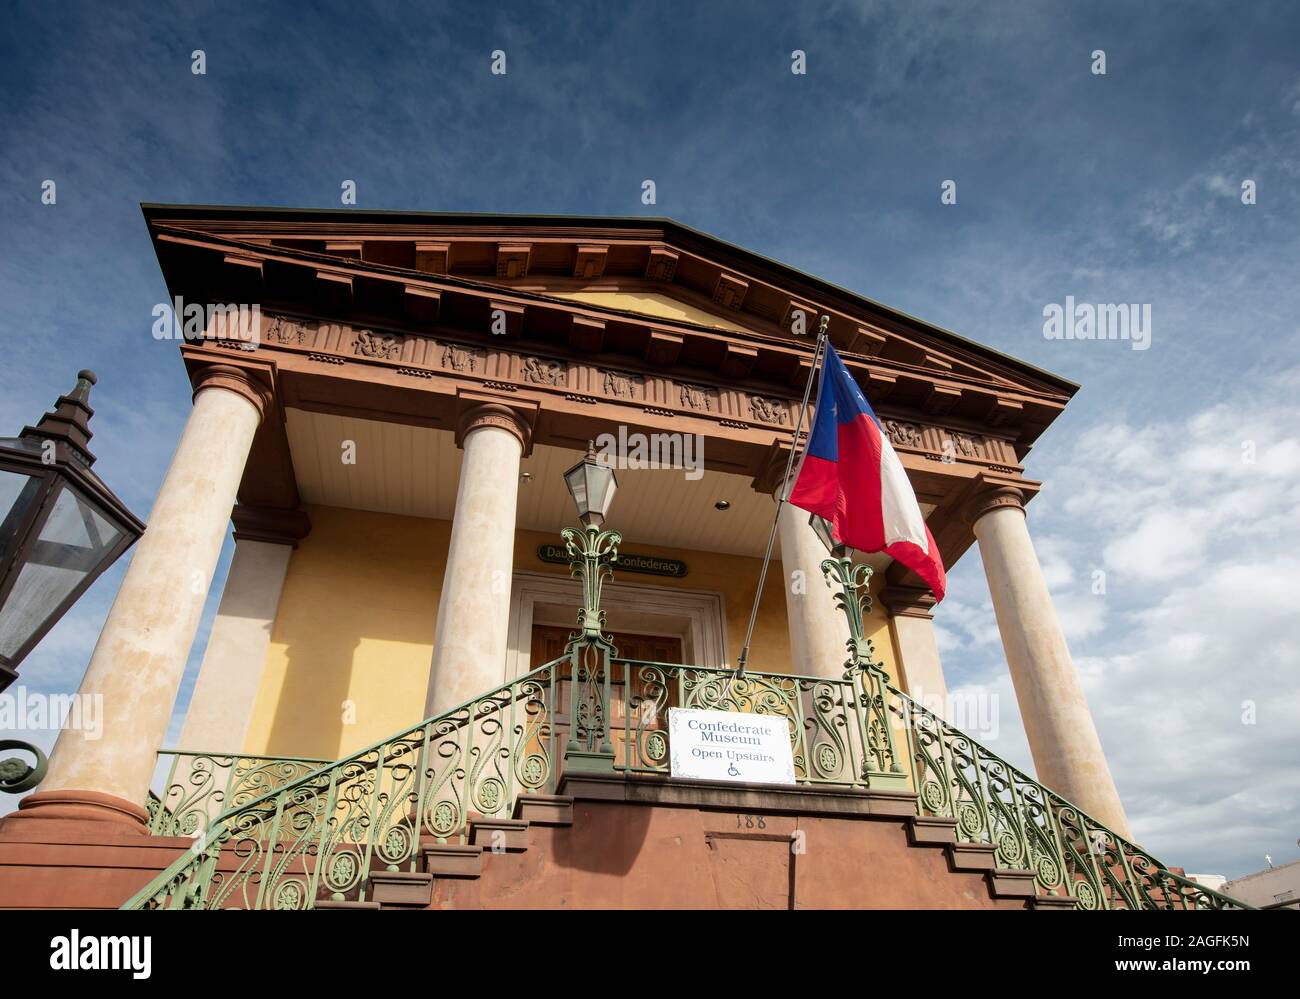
(515, 862)
(498, 804)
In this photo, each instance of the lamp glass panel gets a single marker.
(18, 491)
(824, 531)
(576, 478)
(608, 485)
(73, 542)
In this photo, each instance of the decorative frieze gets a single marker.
(381, 346)
(454, 357)
(949, 445)
(903, 433)
(539, 371)
(967, 445)
(621, 385)
(697, 398)
(585, 384)
(284, 331)
(768, 410)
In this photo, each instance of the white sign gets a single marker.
(730, 746)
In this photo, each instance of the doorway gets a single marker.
(549, 641)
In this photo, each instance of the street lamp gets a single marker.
(591, 552)
(61, 525)
(826, 534)
(592, 486)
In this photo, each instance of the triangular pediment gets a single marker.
(653, 286)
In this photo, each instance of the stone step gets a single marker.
(331, 904)
(1053, 902)
(401, 888)
(1007, 882)
(545, 809)
(452, 860)
(510, 835)
(930, 830)
(972, 856)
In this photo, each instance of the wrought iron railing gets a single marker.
(1029, 827)
(839, 729)
(317, 836)
(200, 786)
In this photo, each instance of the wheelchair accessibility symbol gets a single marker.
(732, 771)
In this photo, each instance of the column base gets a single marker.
(110, 814)
(588, 761)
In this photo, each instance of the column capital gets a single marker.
(253, 384)
(908, 601)
(771, 472)
(276, 526)
(993, 498)
(483, 409)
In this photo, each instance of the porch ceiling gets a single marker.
(414, 472)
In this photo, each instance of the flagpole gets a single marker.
(818, 352)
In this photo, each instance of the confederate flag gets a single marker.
(851, 476)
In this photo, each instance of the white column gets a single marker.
(231, 672)
(818, 629)
(137, 663)
(911, 624)
(472, 634)
(1062, 737)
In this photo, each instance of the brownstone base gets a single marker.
(126, 817)
(661, 844)
(649, 844)
(78, 850)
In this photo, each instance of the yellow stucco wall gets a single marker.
(651, 304)
(349, 657)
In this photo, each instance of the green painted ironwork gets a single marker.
(316, 837)
(592, 552)
(1029, 827)
(853, 597)
(17, 776)
(200, 786)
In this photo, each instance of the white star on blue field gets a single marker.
(1169, 521)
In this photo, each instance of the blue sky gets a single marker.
(1122, 188)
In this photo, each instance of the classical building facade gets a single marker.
(388, 432)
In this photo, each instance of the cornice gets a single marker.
(510, 366)
(902, 600)
(725, 263)
(931, 376)
(270, 525)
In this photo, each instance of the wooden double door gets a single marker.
(549, 642)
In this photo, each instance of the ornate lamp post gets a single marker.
(61, 528)
(851, 583)
(592, 552)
